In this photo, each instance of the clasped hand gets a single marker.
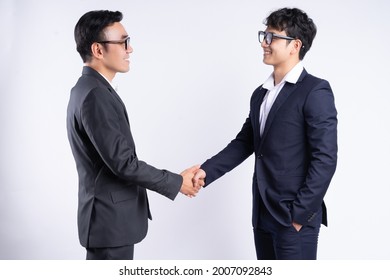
(193, 180)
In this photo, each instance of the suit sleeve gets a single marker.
(107, 128)
(238, 150)
(321, 134)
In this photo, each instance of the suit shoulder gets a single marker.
(309, 83)
(85, 86)
(86, 93)
(314, 80)
(86, 83)
(319, 96)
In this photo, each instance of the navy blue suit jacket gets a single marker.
(296, 156)
(113, 208)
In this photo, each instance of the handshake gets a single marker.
(193, 180)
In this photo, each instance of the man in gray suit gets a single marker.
(113, 207)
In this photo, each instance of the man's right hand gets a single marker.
(187, 187)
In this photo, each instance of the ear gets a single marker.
(97, 50)
(297, 45)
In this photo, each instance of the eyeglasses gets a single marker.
(126, 41)
(268, 37)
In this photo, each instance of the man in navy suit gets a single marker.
(113, 208)
(292, 129)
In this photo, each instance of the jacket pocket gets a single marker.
(124, 195)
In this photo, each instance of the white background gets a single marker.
(194, 67)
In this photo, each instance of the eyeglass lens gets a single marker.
(265, 36)
(127, 43)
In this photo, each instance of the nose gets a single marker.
(129, 49)
(264, 44)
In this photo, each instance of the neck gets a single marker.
(280, 71)
(102, 70)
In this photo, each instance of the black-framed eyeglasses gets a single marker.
(125, 41)
(268, 37)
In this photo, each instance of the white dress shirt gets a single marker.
(273, 92)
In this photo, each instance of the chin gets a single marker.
(265, 61)
(124, 70)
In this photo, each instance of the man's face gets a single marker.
(279, 51)
(115, 56)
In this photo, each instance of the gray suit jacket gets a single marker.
(113, 206)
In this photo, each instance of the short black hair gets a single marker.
(296, 24)
(89, 29)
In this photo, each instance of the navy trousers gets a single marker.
(274, 241)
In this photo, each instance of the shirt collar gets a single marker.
(292, 76)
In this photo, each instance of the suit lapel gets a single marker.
(284, 94)
(282, 97)
(113, 92)
(256, 108)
